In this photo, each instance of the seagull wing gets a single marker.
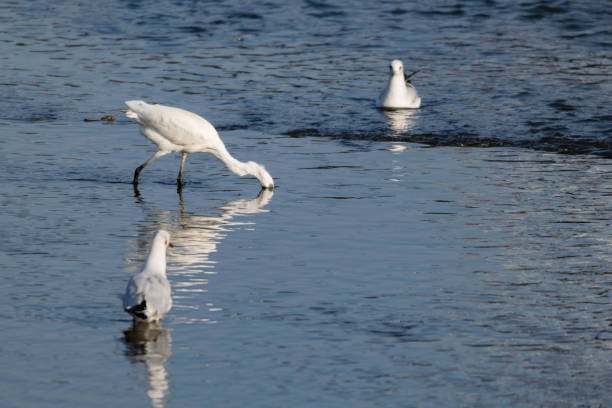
(133, 295)
(157, 295)
(148, 295)
(408, 77)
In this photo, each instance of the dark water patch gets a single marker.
(398, 330)
(231, 127)
(454, 10)
(100, 180)
(194, 29)
(320, 4)
(329, 167)
(543, 10)
(245, 15)
(41, 118)
(339, 197)
(554, 141)
(562, 106)
(328, 14)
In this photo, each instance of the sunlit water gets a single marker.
(378, 272)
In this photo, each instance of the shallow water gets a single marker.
(378, 273)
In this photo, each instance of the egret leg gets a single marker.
(179, 180)
(143, 165)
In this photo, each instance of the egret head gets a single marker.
(259, 171)
(396, 67)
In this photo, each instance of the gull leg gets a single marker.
(143, 165)
(179, 180)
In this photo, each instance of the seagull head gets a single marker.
(260, 172)
(163, 236)
(396, 67)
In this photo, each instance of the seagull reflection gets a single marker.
(150, 343)
(401, 120)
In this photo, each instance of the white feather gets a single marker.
(151, 284)
(398, 94)
(177, 130)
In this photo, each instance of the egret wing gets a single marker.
(178, 126)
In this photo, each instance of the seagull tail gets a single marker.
(138, 310)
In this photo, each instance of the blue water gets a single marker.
(397, 263)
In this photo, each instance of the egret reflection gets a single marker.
(150, 344)
(195, 236)
(401, 120)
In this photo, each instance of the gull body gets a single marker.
(399, 93)
(177, 130)
(148, 296)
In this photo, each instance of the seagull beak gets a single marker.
(170, 245)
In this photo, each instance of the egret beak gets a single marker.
(170, 245)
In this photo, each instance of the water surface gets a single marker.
(379, 272)
(529, 74)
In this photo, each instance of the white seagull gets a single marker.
(178, 130)
(147, 296)
(400, 93)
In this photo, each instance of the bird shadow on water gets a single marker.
(151, 344)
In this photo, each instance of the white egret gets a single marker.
(177, 130)
(399, 93)
(147, 296)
